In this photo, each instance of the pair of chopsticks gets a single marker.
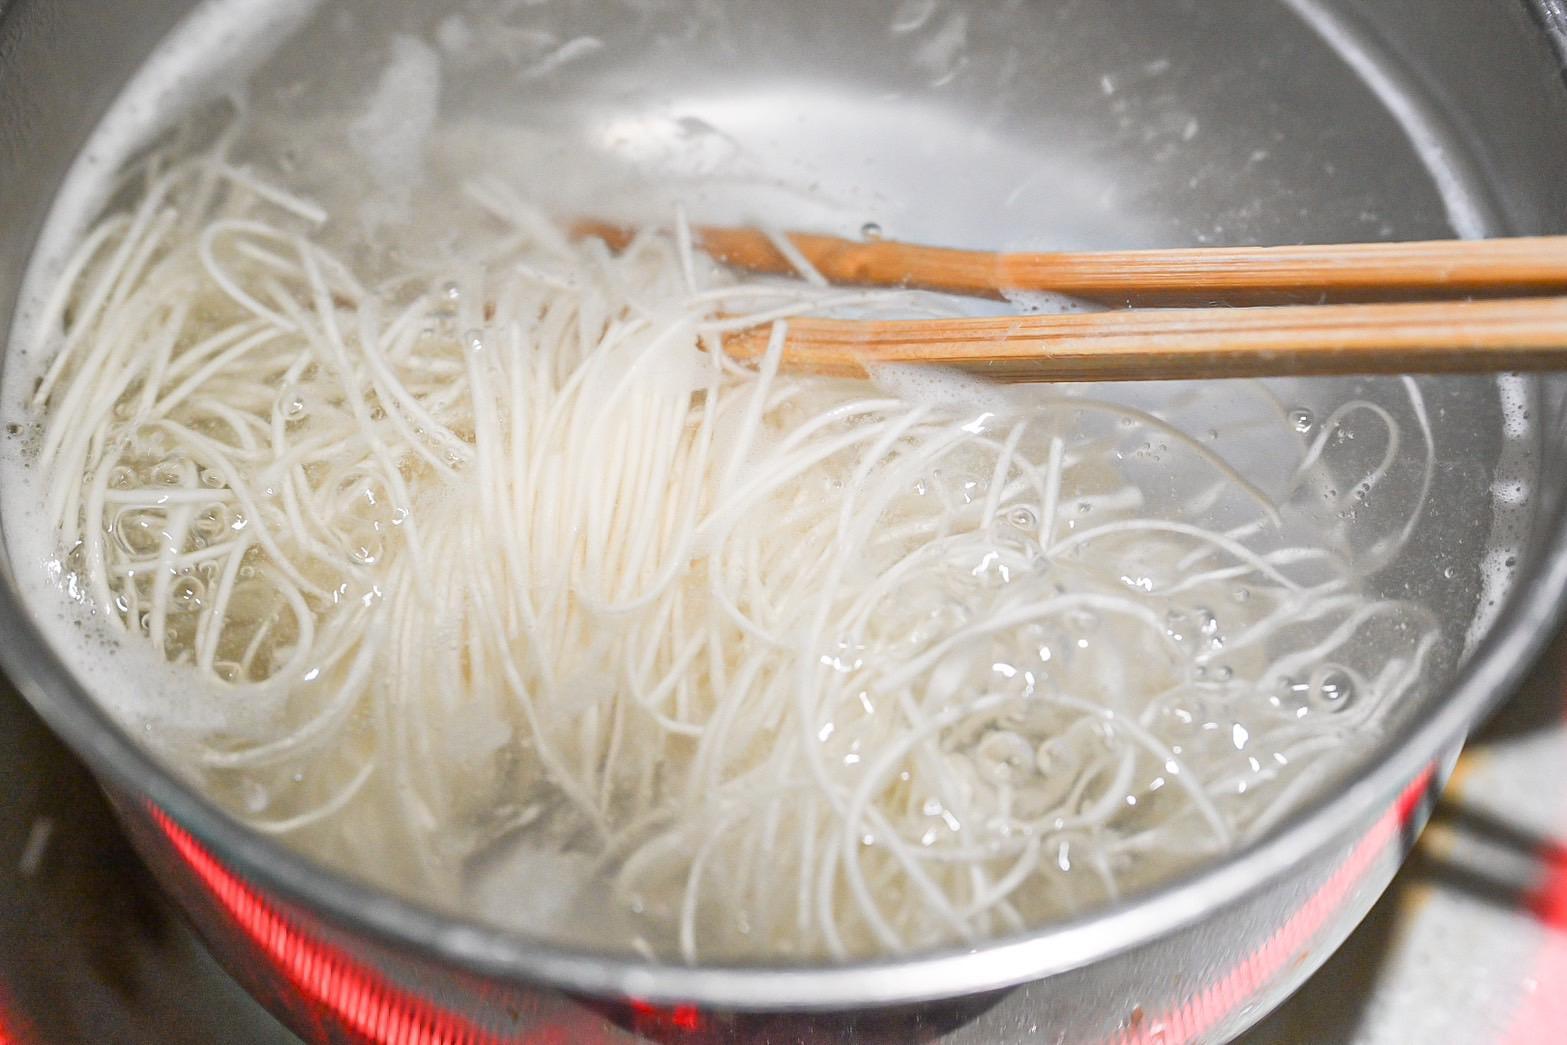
(1441, 306)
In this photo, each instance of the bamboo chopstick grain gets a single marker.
(1235, 275)
(1169, 344)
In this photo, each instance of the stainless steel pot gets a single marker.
(1112, 122)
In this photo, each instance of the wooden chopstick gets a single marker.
(1168, 344)
(1203, 275)
(1513, 330)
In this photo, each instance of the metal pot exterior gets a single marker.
(330, 981)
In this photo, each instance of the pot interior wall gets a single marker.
(1065, 124)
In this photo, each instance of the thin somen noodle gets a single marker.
(495, 569)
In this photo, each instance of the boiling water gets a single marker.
(784, 667)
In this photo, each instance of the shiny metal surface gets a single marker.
(1116, 122)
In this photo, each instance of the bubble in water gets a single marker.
(1334, 690)
(1302, 420)
(213, 520)
(187, 593)
(1450, 573)
(169, 472)
(870, 231)
(139, 532)
(474, 339)
(1023, 518)
(451, 291)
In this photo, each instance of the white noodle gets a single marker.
(805, 668)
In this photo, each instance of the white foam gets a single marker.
(934, 386)
(1511, 507)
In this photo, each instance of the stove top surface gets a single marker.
(1468, 945)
